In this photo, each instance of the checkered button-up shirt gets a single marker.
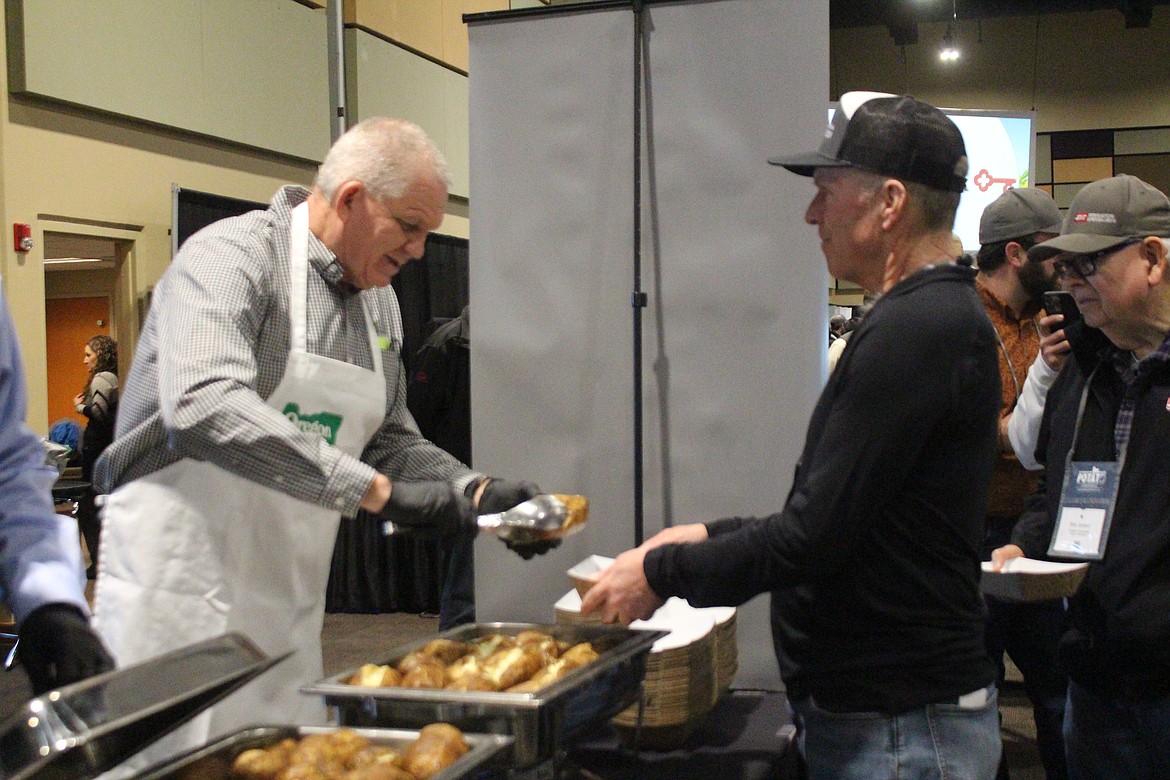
(215, 345)
(1133, 375)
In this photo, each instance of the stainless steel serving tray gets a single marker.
(83, 729)
(540, 721)
(214, 760)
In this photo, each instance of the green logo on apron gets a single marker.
(324, 424)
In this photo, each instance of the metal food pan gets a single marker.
(214, 760)
(540, 721)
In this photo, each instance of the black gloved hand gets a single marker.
(527, 550)
(57, 647)
(500, 495)
(429, 505)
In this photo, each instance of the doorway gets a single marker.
(69, 324)
(84, 280)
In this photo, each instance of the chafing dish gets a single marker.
(83, 729)
(214, 760)
(540, 722)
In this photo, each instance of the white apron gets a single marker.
(192, 551)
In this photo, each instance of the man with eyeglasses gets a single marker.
(1104, 497)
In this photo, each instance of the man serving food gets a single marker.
(266, 399)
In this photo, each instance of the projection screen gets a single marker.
(734, 329)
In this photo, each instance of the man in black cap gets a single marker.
(1104, 498)
(1011, 289)
(873, 562)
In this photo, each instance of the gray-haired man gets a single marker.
(873, 562)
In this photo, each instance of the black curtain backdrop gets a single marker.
(194, 210)
(373, 573)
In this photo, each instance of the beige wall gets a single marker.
(76, 170)
(219, 68)
(63, 165)
(59, 165)
(1079, 70)
(433, 27)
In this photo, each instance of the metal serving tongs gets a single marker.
(540, 518)
(544, 516)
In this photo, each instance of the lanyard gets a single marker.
(1088, 498)
(1011, 367)
(1121, 450)
(1076, 428)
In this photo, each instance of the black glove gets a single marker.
(527, 550)
(428, 505)
(57, 647)
(500, 495)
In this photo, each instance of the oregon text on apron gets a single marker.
(193, 551)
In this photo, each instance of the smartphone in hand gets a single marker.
(1061, 302)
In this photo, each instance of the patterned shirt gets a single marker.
(215, 345)
(1019, 342)
(1134, 374)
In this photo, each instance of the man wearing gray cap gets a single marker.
(1011, 290)
(873, 562)
(1104, 496)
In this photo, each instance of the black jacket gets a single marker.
(873, 563)
(438, 392)
(1119, 640)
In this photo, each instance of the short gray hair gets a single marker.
(936, 208)
(384, 154)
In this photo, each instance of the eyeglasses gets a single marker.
(1086, 265)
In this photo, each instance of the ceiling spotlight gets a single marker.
(949, 51)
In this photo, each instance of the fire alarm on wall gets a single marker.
(22, 237)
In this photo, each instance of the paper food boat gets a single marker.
(1027, 579)
(582, 574)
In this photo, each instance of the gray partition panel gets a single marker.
(734, 330)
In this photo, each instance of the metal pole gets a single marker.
(336, 28)
(638, 298)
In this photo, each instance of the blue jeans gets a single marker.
(1116, 739)
(937, 742)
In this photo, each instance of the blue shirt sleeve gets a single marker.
(40, 555)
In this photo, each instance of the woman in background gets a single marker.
(99, 403)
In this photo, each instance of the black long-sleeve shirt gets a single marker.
(873, 563)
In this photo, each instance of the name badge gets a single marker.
(1086, 510)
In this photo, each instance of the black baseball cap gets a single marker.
(891, 135)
